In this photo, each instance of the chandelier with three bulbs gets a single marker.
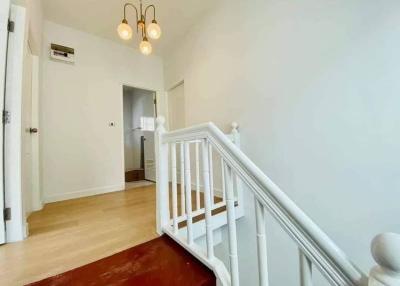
(152, 30)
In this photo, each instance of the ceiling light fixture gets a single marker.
(152, 30)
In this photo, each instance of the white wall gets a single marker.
(176, 107)
(81, 154)
(314, 86)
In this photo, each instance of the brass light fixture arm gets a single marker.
(137, 15)
(154, 12)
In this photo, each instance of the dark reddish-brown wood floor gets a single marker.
(159, 262)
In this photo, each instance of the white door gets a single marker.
(36, 195)
(14, 129)
(176, 107)
(26, 171)
(4, 11)
(149, 156)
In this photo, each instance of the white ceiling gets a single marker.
(101, 17)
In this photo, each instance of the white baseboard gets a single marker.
(37, 206)
(26, 230)
(84, 193)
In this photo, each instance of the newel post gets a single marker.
(162, 185)
(385, 249)
(235, 137)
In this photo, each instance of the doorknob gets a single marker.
(33, 130)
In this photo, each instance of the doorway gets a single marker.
(139, 108)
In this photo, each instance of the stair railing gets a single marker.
(315, 247)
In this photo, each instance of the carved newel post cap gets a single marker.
(385, 249)
(160, 120)
(235, 125)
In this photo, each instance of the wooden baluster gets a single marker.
(162, 186)
(305, 269)
(223, 179)
(210, 161)
(261, 243)
(197, 177)
(189, 219)
(230, 207)
(385, 250)
(207, 199)
(174, 188)
(182, 167)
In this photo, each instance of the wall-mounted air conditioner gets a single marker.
(62, 53)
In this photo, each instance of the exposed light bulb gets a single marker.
(124, 30)
(154, 30)
(145, 47)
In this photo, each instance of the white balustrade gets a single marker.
(162, 186)
(174, 188)
(210, 161)
(197, 175)
(188, 194)
(223, 179)
(182, 170)
(230, 208)
(235, 137)
(261, 243)
(316, 249)
(207, 199)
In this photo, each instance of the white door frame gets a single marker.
(16, 226)
(4, 14)
(161, 105)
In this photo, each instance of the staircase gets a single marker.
(197, 148)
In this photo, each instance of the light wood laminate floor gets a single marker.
(65, 235)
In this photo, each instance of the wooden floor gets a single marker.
(69, 234)
(158, 262)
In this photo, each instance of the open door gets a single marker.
(149, 147)
(28, 132)
(13, 127)
(149, 156)
(4, 14)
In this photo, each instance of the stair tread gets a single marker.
(160, 261)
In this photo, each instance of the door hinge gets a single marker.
(155, 101)
(7, 214)
(11, 26)
(6, 117)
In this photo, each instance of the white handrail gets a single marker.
(314, 245)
